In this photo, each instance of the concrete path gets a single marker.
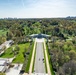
(15, 70)
(8, 59)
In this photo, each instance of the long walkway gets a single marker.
(39, 66)
(39, 60)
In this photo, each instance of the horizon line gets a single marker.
(33, 17)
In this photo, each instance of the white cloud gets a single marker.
(42, 8)
(46, 8)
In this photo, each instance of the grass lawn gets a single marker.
(29, 60)
(45, 62)
(2, 74)
(51, 68)
(8, 53)
(3, 32)
(19, 58)
(34, 62)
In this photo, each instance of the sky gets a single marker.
(37, 8)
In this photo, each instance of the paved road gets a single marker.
(39, 63)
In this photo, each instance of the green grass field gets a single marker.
(29, 60)
(19, 58)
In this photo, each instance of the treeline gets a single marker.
(48, 26)
(20, 28)
(63, 56)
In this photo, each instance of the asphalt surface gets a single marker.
(39, 66)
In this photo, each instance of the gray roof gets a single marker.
(37, 35)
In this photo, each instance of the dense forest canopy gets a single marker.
(48, 26)
(19, 28)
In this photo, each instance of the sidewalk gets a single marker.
(47, 61)
(32, 59)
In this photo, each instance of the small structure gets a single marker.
(3, 65)
(40, 36)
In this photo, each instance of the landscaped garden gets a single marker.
(28, 56)
(18, 52)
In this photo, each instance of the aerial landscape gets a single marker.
(37, 37)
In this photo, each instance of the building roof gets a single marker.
(39, 35)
